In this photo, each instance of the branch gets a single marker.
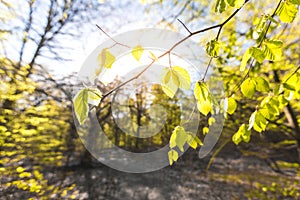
(116, 42)
(259, 46)
(220, 26)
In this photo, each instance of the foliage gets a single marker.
(263, 57)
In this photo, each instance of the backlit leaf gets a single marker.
(243, 134)
(106, 59)
(183, 76)
(287, 11)
(247, 55)
(262, 84)
(173, 156)
(272, 50)
(213, 48)
(220, 6)
(137, 52)
(248, 87)
(81, 107)
(235, 3)
(232, 105)
(94, 96)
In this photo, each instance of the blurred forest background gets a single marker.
(43, 44)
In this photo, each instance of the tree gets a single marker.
(259, 64)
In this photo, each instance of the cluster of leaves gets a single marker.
(32, 132)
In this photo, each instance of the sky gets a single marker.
(126, 15)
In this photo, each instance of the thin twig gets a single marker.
(206, 70)
(116, 42)
(184, 26)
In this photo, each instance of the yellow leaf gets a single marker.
(105, 59)
(137, 52)
(173, 156)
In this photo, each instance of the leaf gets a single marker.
(105, 59)
(235, 3)
(248, 87)
(272, 50)
(170, 90)
(220, 6)
(173, 156)
(232, 105)
(174, 78)
(94, 96)
(203, 96)
(296, 2)
(257, 54)
(205, 130)
(80, 102)
(204, 107)
(178, 138)
(247, 55)
(183, 76)
(289, 86)
(243, 134)
(194, 141)
(201, 91)
(287, 11)
(260, 28)
(261, 84)
(137, 52)
(20, 169)
(211, 120)
(213, 48)
(169, 82)
(167, 77)
(257, 121)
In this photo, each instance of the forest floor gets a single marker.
(231, 176)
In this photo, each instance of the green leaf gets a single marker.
(289, 86)
(178, 138)
(205, 130)
(174, 78)
(194, 141)
(201, 91)
(257, 121)
(20, 169)
(247, 55)
(257, 54)
(183, 76)
(262, 84)
(137, 52)
(287, 11)
(232, 105)
(173, 156)
(272, 50)
(94, 96)
(203, 96)
(81, 107)
(204, 107)
(248, 87)
(211, 120)
(243, 134)
(105, 59)
(167, 77)
(213, 48)
(296, 2)
(235, 3)
(220, 6)
(260, 28)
